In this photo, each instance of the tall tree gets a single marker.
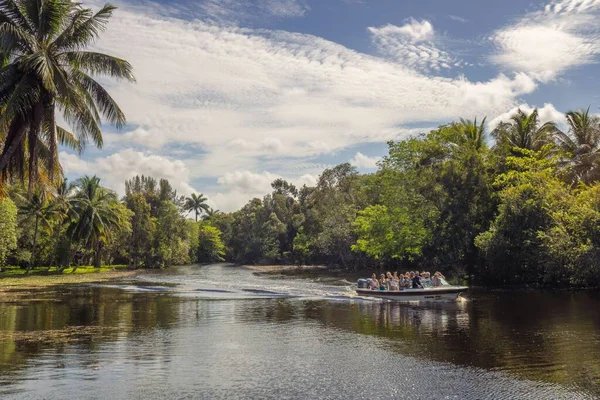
(196, 203)
(35, 206)
(524, 131)
(99, 215)
(49, 68)
(582, 145)
(59, 211)
(8, 228)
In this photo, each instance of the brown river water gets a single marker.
(218, 331)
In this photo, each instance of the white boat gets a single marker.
(440, 293)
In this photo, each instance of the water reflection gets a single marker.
(98, 333)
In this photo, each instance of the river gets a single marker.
(219, 331)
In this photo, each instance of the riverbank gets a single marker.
(14, 284)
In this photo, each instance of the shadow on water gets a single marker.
(162, 327)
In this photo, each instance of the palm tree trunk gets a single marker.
(56, 240)
(97, 254)
(35, 231)
(196, 215)
(19, 134)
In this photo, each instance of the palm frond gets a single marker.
(13, 37)
(66, 138)
(10, 12)
(100, 64)
(84, 29)
(108, 106)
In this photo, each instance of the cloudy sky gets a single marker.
(232, 94)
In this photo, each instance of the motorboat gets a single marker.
(445, 292)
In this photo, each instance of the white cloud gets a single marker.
(546, 43)
(308, 180)
(362, 161)
(458, 19)
(210, 86)
(248, 182)
(413, 31)
(238, 187)
(547, 113)
(118, 167)
(213, 100)
(412, 44)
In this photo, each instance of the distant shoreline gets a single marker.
(284, 268)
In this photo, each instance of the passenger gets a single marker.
(383, 284)
(374, 283)
(406, 281)
(416, 281)
(393, 281)
(435, 280)
(426, 280)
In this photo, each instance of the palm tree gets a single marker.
(34, 206)
(524, 131)
(582, 145)
(196, 203)
(469, 134)
(211, 212)
(60, 211)
(48, 68)
(98, 215)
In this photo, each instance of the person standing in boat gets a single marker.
(416, 281)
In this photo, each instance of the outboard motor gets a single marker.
(362, 283)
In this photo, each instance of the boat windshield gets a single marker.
(443, 282)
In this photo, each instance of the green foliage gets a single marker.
(48, 69)
(389, 233)
(8, 228)
(169, 238)
(196, 203)
(210, 246)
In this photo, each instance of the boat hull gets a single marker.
(428, 294)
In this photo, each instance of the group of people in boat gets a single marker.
(408, 280)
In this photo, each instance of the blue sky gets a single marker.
(232, 94)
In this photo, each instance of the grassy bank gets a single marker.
(14, 277)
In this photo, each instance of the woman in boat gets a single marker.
(383, 284)
(393, 281)
(374, 283)
(407, 283)
(426, 280)
(437, 279)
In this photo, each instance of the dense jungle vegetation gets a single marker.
(520, 205)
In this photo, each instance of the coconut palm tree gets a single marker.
(60, 211)
(210, 213)
(196, 203)
(34, 206)
(582, 145)
(48, 68)
(469, 134)
(524, 131)
(98, 215)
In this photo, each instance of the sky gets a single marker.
(232, 94)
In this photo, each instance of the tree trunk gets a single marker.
(33, 139)
(56, 242)
(196, 215)
(35, 230)
(19, 128)
(97, 254)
